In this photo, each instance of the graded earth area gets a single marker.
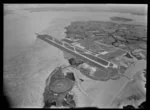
(25, 72)
(107, 99)
(127, 37)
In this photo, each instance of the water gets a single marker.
(20, 27)
(26, 80)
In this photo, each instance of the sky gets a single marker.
(21, 6)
